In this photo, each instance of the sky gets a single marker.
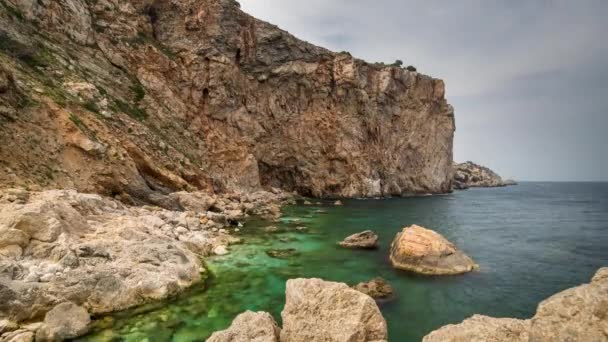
(528, 79)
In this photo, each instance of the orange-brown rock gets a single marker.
(424, 251)
(137, 99)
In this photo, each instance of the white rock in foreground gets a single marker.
(249, 327)
(317, 310)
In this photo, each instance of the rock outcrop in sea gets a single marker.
(363, 240)
(424, 251)
(377, 288)
(139, 99)
(576, 314)
(470, 175)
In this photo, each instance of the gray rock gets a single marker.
(317, 310)
(366, 240)
(249, 327)
(64, 321)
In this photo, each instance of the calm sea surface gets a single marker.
(530, 240)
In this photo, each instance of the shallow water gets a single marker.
(531, 241)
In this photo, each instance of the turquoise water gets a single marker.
(531, 241)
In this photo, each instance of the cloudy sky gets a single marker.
(528, 79)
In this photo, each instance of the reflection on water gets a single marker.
(530, 241)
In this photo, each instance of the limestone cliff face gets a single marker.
(140, 98)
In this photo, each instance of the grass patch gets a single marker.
(12, 11)
(133, 111)
(83, 127)
(138, 89)
(91, 106)
(32, 56)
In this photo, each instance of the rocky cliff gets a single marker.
(470, 175)
(141, 98)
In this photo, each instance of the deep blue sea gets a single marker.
(531, 241)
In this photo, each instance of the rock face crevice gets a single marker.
(160, 96)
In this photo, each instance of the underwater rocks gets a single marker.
(469, 175)
(282, 253)
(424, 251)
(576, 314)
(317, 310)
(62, 246)
(249, 327)
(365, 240)
(377, 288)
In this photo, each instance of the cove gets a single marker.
(531, 241)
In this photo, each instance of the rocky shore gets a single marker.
(98, 254)
(470, 175)
(576, 314)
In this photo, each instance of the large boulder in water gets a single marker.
(424, 251)
(576, 314)
(249, 327)
(366, 239)
(317, 310)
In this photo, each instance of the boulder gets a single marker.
(576, 314)
(366, 239)
(249, 327)
(66, 320)
(424, 251)
(482, 328)
(377, 288)
(317, 310)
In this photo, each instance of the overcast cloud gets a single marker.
(528, 79)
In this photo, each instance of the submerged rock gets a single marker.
(317, 310)
(66, 320)
(366, 239)
(424, 251)
(576, 314)
(282, 253)
(377, 288)
(249, 327)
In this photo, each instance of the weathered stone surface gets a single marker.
(249, 327)
(66, 320)
(424, 251)
(317, 310)
(576, 314)
(480, 328)
(366, 239)
(162, 96)
(64, 246)
(377, 288)
(469, 175)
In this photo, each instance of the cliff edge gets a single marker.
(137, 99)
